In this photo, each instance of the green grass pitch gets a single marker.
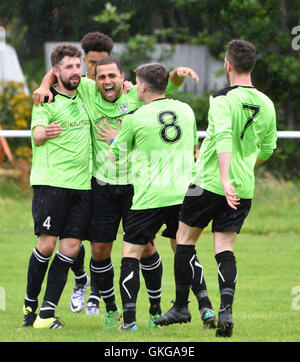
(267, 300)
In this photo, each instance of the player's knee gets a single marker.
(101, 251)
(46, 244)
(70, 247)
(149, 250)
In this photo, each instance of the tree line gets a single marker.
(270, 24)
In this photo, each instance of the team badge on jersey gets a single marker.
(123, 108)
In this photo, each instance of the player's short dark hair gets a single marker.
(155, 75)
(242, 55)
(109, 60)
(62, 50)
(96, 41)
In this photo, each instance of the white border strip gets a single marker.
(201, 134)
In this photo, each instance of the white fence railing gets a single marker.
(15, 134)
(201, 134)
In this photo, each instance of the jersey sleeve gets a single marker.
(171, 88)
(41, 116)
(133, 91)
(268, 144)
(133, 96)
(220, 115)
(124, 141)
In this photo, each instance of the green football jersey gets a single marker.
(241, 120)
(160, 137)
(98, 108)
(62, 161)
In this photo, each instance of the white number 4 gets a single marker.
(46, 223)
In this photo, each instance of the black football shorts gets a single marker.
(143, 225)
(201, 206)
(110, 204)
(61, 212)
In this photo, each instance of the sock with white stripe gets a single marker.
(183, 270)
(129, 287)
(152, 270)
(199, 286)
(95, 295)
(56, 281)
(78, 267)
(37, 268)
(227, 274)
(102, 275)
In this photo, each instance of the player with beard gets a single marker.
(96, 46)
(112, 191)
(60, 178)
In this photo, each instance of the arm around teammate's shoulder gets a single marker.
(43, 92)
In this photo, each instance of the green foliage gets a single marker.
(199, 105)
(15, 106)
(110, 16)
(15, 114)
(268, 25)
(141, 24)
(139, 48)
(34, 71)
(15, 32)
(138, 51)
(284, 163)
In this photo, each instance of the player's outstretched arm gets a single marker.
(178, 75)
(43, 91)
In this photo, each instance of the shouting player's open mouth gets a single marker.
(109, 93)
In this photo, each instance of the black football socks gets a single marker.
(227, 274)
(183, 272)
(199, 286)
(129, 288)
(102, 275)
(37, 268)
(78, 267)
(56, 281)
(152, 270)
